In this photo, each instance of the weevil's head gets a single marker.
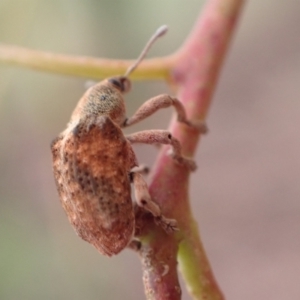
(105, 98)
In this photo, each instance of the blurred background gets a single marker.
(245, 194)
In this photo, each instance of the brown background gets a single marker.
(245, 194)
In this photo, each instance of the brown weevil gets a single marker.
(94, 163)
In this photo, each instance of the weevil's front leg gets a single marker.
(164, 101)
(163, 137)
(144, 200)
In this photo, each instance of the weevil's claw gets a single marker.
(184, 161)
(168, 225)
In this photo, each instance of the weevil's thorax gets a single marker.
(104, 98)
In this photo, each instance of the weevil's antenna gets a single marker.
(158, 33)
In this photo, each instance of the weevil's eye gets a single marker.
(121, 83)
(117, 83)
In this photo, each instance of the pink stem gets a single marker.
(196, 69)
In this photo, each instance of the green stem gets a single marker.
(195, 267)
(83, 66)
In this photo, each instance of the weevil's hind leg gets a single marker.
(163, 137)
(143, 199)
(164, 101)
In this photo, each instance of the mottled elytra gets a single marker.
(94, 163)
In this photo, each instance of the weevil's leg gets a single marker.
(142, 195)
(143, 199)
(164, 101)
(163, 137)
(142, 169)
(133, 165)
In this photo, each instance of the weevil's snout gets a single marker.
(122, 83)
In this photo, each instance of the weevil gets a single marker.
(94, 163)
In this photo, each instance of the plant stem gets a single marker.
(195, 73)
(83, 66)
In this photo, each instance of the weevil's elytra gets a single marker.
(94, 163)
(89, 191)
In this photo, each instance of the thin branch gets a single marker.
(197, 78)
(195, 73)
(83, 66)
